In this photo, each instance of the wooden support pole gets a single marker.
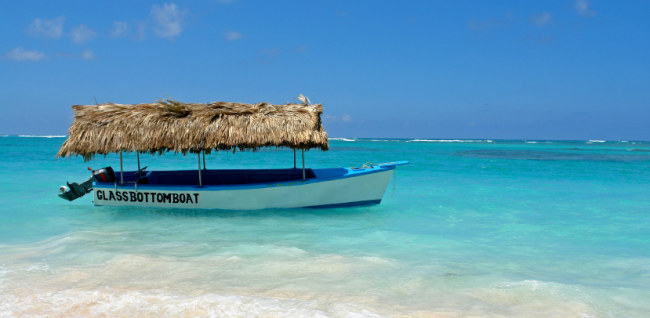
(200, 181)
(203, 160)
(137, 153)
(121, 169)
(303, 164)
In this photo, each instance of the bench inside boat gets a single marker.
(215, 177)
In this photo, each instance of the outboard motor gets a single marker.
(105, 175)
(75, 190)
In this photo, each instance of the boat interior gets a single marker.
(214, 177)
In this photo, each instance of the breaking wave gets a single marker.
(449, 140)
(44, 136)
(550, 155)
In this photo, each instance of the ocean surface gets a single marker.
(470, 228)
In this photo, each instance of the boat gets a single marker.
(199, 129)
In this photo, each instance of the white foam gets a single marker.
(336, 286)
(38, 268)
(531, 142)
(592, 141)
(342, 139)
(45, 136)
(116, 302)
(3, 273)
(529, 284)
(436, 140)
(262, 279)
(449, 140)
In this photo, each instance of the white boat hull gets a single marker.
(355, 189)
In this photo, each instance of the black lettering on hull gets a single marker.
(129, 196)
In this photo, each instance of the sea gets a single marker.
(470, 228)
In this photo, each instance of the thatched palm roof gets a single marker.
(185, 127)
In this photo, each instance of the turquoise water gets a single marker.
(472, 228)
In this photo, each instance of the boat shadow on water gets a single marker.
(128, 212)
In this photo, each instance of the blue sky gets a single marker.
(562, 69)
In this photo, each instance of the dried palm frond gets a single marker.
(169, 125)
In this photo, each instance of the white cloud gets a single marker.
(20, 54)
(81, 34)
(233, 36)
(88, 55)
(584, 8)
(119, 29)
(346, 118)
(541, 19)
(47, 28)
(168, 20)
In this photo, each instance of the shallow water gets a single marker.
(487, 228)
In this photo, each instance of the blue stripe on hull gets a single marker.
(344, 205)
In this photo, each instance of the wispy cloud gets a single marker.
(81, 34)
(142, 31)
(271, 52)
(341, 14)
(168, 20)
(302, 49)
(486, 24)
(344, 118)
(268, 55)
(584, 8)
(490, 24)
(120, 29)
(20, 54)
(88, 55)
(47, 28)
(542, 39)
(233, 36)
(541, 19)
